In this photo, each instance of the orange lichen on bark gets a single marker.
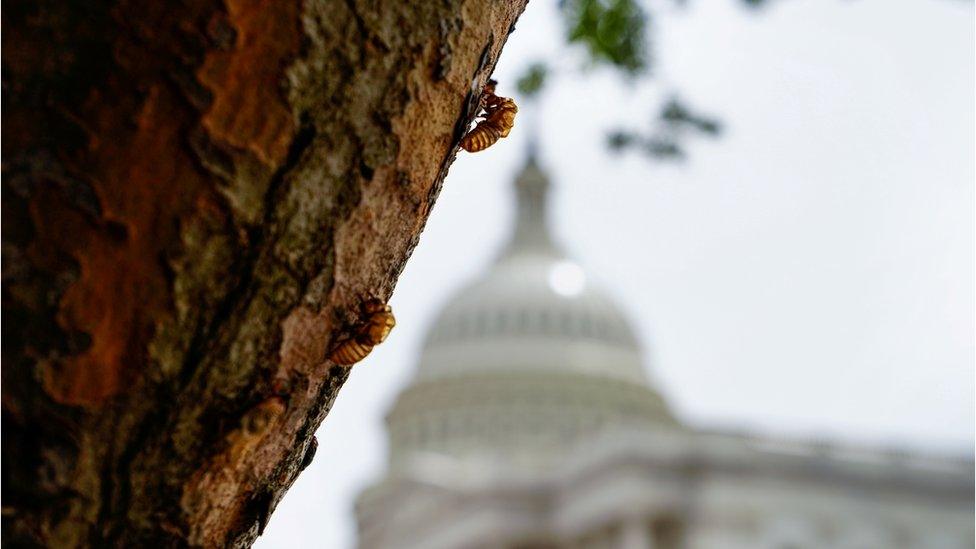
(121, 291)
(147, 183)
(248, 110)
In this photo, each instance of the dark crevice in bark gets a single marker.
(228, 311)
(227, 316)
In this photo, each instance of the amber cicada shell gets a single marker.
(373, 331)
(498, 120)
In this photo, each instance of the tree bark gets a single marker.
(197, 199)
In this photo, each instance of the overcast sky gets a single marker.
(811, 273)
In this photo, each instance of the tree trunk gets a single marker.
(197, 199)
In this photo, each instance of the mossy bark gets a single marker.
(197, 199)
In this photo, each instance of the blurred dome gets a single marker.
(524, 361)
(534, 310)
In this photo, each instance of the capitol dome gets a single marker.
(535, 310)
(524, 361)
(530, 423)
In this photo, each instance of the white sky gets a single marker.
(811, 273)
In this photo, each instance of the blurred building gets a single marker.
(531, 423)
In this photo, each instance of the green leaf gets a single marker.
(533, 80)
(611, 31)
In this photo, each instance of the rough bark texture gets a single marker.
(197, 198)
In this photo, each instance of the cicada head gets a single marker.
(380, 325)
